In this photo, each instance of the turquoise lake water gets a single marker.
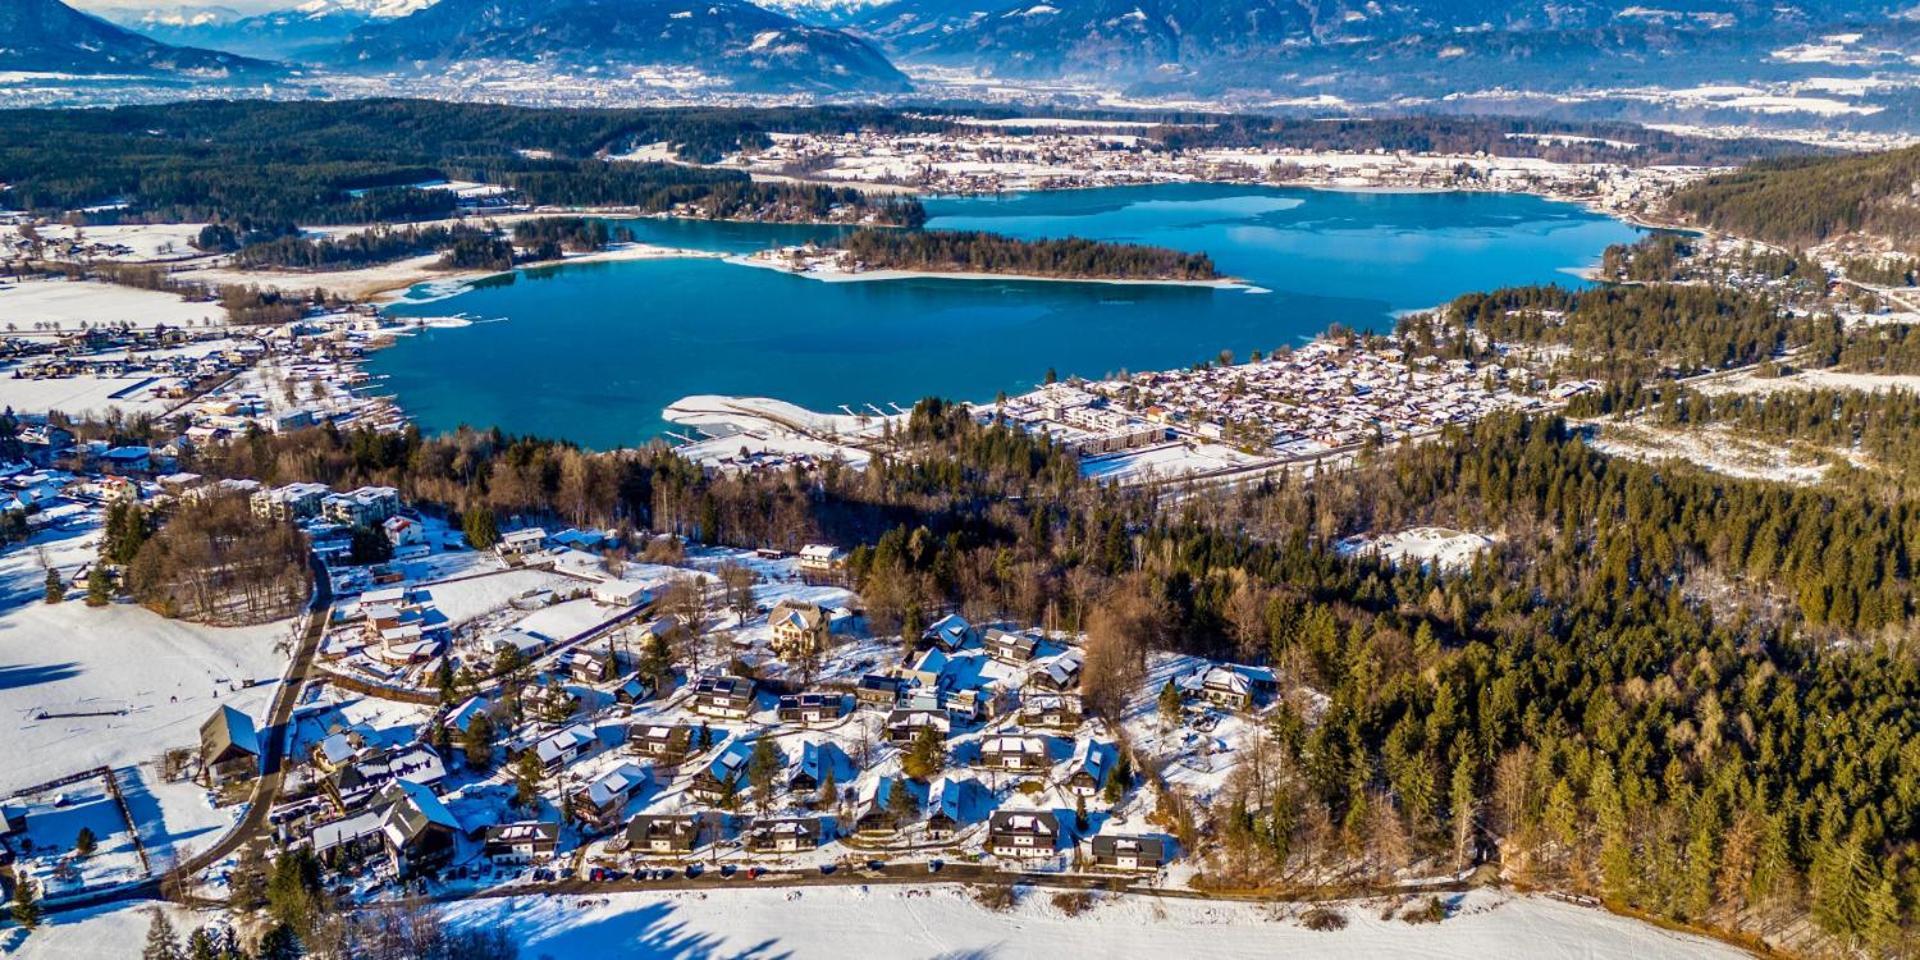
(595, 352)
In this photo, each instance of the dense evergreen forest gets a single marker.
(264, 165)
(967, 251)
(1613, 332)
(1798, 202)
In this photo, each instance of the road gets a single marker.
(266, 789)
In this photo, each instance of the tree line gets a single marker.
(267, 165)
(1806, 201)
(970, 251)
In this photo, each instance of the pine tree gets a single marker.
(1465, 804)
(1170, 704)
(477, 743)
(828, 788)
(1844, 884)
(85, 843)
(56, 589)
(162, 942)
(927, 755)
(481, 527)
(900, 803)
(99, 586)
(26, 904)
(278, 943)
(201, 945)
(763, 765)
(528, 774)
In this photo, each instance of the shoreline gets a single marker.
(460, 281)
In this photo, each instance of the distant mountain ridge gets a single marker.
(1237, 41)
(745, 45)
(49, 36)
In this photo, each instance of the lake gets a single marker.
(594, 352)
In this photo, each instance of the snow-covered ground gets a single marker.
(944, 921)
(153, 679)
(88, 396)
(1444, 549)
(71, 303)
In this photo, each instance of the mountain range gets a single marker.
(1221, 42)
(751, 46)
(1351, 48)
(47, 36)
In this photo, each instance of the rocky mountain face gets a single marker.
(49, 36)
(733, 41)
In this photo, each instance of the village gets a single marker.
(992, 157)
(571, 706)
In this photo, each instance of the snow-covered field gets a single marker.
(70, 303)
(87, 396)
(944, 921)
(1165, 461)
(154, 680)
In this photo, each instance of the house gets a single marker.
(1222, 687)
(725, 779)
(789, 834)
(819, 762)
(875, 816)
(351, 840)
(799, 629)
(404, 532)
(1023, 834)
(1088, 769)
(665, 744)
(930, 671)
(551, 700)
(1052, 711)
(810, 709)
(520, 543)
(461, 719)
(593, 666)
(1060, 674)
(335, 752)
(563, 748)
(648, 834)
(523, 843)
(904, 724)
(603, 803)
(879, 691)
(1114, 851)
(949, 633)
(420, 832)
(951, 805)
(365, 507)
(621, 593)
(634, 689)
(1014, 753)
(725, 697)
(1014, 649)
(13, 819)
(822, 561)
(229, 748)
(355, 785)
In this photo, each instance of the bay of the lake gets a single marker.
(595, 352)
